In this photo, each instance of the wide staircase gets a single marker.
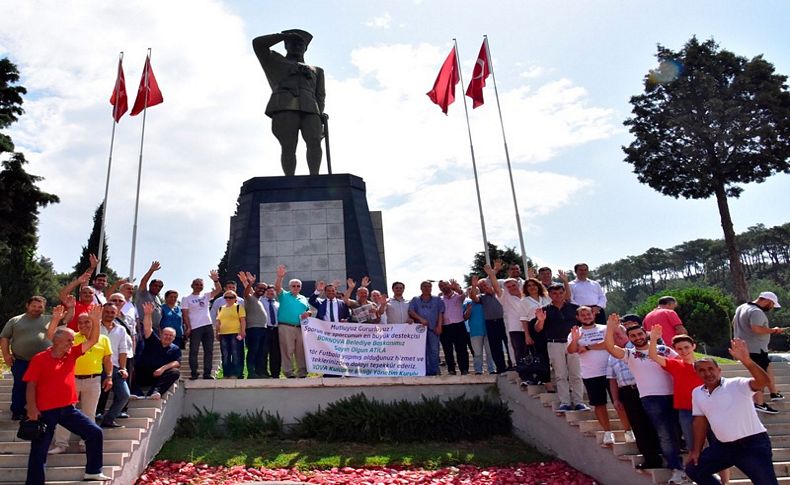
(590, 433)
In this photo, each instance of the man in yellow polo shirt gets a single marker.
(88, 371)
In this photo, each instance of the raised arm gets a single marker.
(492, 272)
(740, 351)
(80, 281)
(563, 276)
(573, 345)
(474, 293)
(611, 325)
(148, 321)
(350, 285)
(155, 266)
(247, 282)
(57, 316)
(214, 275)
(652, 350)
(278, 282)
(263, 43)
(114, 288)
(540, 319)
(95, 316)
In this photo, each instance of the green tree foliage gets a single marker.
(706, 312)
(707, 122)
(508, 255)
(222, 267)
(93, 248)
(20, 201)
(10, 101)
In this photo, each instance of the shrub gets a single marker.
(705, 311)
(358, 418)
(209, 424)
(203, 424)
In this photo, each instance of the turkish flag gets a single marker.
(148, 94)
(479, 75)
(118, 98)
(443, 92)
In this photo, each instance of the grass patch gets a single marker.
(313, 454)
(719, 360)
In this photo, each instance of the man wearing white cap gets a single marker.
(750, 324)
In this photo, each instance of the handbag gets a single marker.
(532, 365)
(31, 430)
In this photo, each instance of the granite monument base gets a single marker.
(318, 226)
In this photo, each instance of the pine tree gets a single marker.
(93, 248)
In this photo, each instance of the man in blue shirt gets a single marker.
(428, 310)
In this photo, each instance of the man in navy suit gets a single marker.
(330, 308)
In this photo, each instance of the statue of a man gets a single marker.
(297, 102)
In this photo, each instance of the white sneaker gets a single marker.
(608, 438)
(101, 477)
(155, 396)
(629, 436)
(678, 476)
(57, 450)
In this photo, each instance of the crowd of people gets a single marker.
(126, 342)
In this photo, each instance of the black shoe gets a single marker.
(776, 396)
(451, 372)
(123, 416)
(209, 378)
(18, 417)
(193, 378)
(111, 424)
(764, 408)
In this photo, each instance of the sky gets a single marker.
(564, 71)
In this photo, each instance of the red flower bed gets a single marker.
(549, 473)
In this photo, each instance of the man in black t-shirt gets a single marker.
(556, 320)
(159, 363)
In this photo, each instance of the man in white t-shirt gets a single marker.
(655, 389)
(198, 324)
(726, 405)
(588, 342)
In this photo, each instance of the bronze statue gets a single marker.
(297, 102)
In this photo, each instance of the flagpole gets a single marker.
(109, 167)
(472, 150)
(140, 167)
(507, 157)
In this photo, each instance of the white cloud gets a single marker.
(210, 135)
(380, 22)
(533, 72)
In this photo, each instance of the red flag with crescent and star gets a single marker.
(148, 94)
(118, 99)
(443, 92)
(479, 75)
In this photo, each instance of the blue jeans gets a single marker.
(256, 363)
(73, 420)
(664, 418)
(120, 396)
(232, 355)
(18, 400)
(751, 454)
(432, 353)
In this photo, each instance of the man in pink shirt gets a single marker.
(665, 316)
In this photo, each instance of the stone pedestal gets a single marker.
(319, 226)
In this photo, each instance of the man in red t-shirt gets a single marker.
(665, 316)
(51, 394)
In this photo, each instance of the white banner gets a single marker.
(364, 349)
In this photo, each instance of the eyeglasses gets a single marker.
(296, 286)
(230, 297)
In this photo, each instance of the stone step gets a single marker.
(573, 417)
(109, 434)
(65, 473)
(590, 426)
(62, 460)
(110, 446)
